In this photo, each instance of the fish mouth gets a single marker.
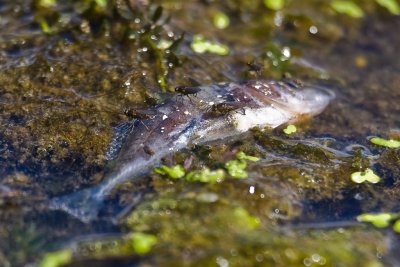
(310, 100)
(298, 99)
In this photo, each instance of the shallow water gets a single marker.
(63, 94)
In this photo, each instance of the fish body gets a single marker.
(214, 112)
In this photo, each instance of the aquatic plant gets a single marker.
(221, 20)
(57, 258)
(205, 175)
(275, 4)
(352, 9)
(380, 220)
(235, 167)
(347, 7)
(365, 176)
(200, 45)
(383, 142)
(174, 172)
(391, 5)
(290, 129)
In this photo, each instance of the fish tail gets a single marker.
(83, 205)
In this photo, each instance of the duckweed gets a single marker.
(380, 220)
(290, 129)
(237, 168)
(143, 243)
(384, 142)
(242, 155)
(274, 4)
(347, 7)
(200, 45)
(47, 3)
(101, 3)
(174, 172)
(391, 5)
(367, 175)
(205, 176)
(221, 20)
(396, 226)
(56, 258)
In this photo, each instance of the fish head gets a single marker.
(297, 98)
(273, 103)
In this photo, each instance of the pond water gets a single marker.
(75, 76)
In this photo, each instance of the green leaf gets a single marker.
(200, 45)
(205, 176)
(390, 5)
(290, 129)
(380, 220)
(274, 4)
(242, 155)
(368, 175)
(221, 21)
(383, 142)
(237, 168)
(56, 258)
(347, 7)
(143, 243)
(175, 172)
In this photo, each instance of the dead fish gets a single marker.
(177, 123)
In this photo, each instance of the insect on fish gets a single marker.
(176, 124)
(187, 90)
(225, 108)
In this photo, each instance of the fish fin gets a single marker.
(83, 205)
(121, 131)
